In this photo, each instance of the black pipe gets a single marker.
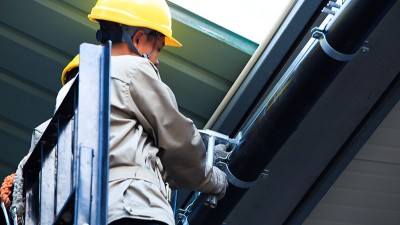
(355, 23)
(285, 106)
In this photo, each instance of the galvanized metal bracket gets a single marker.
(234, 180)
(328, 49)
(222, 164)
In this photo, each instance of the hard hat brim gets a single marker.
(170, 41)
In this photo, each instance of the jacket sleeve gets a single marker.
(182, 150)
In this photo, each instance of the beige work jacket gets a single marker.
(146, 125)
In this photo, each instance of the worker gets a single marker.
(152, 145)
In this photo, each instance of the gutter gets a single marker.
(284, 105)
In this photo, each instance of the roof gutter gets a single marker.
(284, 105)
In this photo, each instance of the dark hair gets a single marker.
(109, 31)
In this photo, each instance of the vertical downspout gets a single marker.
(290, 100)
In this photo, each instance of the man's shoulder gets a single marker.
(126, 66)
(128, 60)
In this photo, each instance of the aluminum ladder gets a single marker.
(66, 176)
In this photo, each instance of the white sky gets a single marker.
(252, 19)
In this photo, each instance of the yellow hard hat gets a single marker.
(152, 14)
(71, 65)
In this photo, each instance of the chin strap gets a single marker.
(128, 39)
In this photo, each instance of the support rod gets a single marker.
(284, 107)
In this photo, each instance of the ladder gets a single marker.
(66, 175)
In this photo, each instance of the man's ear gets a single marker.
(136, 38)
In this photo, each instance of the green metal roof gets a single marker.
(37, 46)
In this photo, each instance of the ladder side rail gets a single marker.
(92, 128)
(104, 135)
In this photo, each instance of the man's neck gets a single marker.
(121, 49)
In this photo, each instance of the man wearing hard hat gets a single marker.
(150, 140)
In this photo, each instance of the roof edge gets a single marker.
(216, 31)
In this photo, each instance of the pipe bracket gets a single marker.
(328, 49)
(235, 181)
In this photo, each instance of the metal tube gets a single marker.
(355, 23)
(285, 106)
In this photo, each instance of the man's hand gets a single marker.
(220, 182)
(220, 151)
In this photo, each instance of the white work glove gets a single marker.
(220, 151)
(218, 178)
